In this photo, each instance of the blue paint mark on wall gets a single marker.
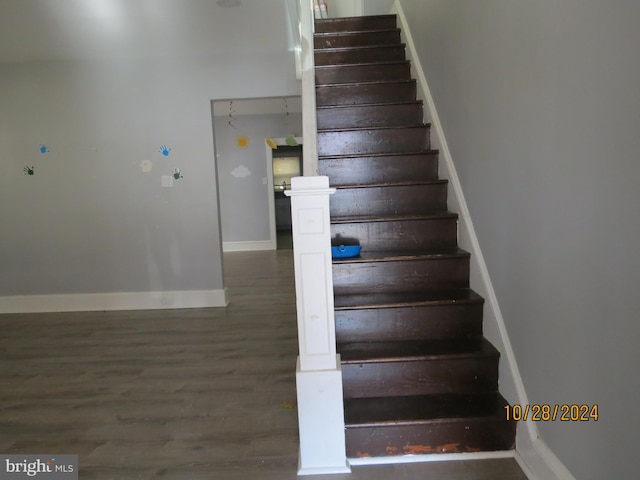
(164, 150)
(43, 149)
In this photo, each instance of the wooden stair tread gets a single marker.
(392, 218)
(363, 64)
(359, 47)
(393, 256)
(354, 32)
(415, 350)
(379, 154)
(377, 411)
(365, 84)
(365, 105)
(364, 129)
(408, 183)
(405, 299)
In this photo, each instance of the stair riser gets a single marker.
(389, 200)
(409, 323)
(356, 39)
(453, 436)
(402, 234)
(370, 116)
(386, 140)
(401, 276)
(363, 73)
(473, 374)
(353, 94)
(379, 169)
(351, 24)
(383, 53)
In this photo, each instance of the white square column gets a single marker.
(318, 372)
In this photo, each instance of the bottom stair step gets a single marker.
(427, 424)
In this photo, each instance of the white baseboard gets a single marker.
(113, 301)
(538, 462)
(248, 246)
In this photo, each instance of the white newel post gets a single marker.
(318, 372)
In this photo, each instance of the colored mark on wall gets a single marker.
(166, 181)
(146, 166)
(177, 174)
(164, 150)
(242, 141)
(240, 172)
(291, 141)
(29, 170)
(43, 149)
(271, 143)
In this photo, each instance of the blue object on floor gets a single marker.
(344, 251)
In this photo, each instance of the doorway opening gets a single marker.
(287, 163)
(243, 131)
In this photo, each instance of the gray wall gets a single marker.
(376, 7)
(540, 105)
(244, 195)
(89, 219)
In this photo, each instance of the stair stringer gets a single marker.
(533, 455)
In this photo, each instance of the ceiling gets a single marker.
(41, 30)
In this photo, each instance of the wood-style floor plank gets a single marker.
(176, 394)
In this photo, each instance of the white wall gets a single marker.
(90, 220)
(244, 207)
(539, 102)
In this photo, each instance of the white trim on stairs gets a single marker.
(113, 301)
(431, 457)
(538, 460)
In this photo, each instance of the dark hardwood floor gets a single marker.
(176, 394)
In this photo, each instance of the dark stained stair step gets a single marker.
(370, 115)
(364, 412)
(360, 54)
(367, 92)
(359, 141)
(408, 232)
(354, 39)
(379, 168)
(406, 299)
(426, 424)
(408, 316)
(392, 272)
(390, 199)
(419, 367)
(351, 24)
(363, 72)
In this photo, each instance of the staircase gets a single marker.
(418, 376)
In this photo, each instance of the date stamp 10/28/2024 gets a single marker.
(550, 413)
